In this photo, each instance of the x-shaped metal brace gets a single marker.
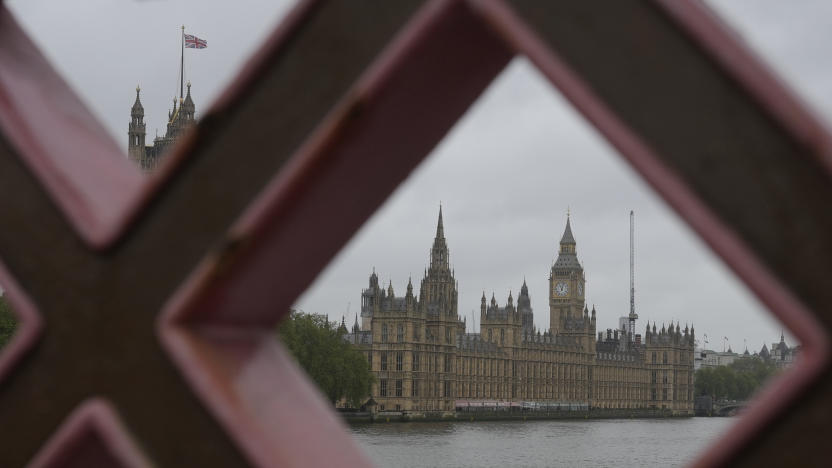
(148, 306)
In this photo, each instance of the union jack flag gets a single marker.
(193, 42)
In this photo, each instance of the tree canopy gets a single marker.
(338, 367)
(8, 321)
(737, 381)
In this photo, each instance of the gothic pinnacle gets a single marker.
(137, 106)
(567, 238)
(440, 229)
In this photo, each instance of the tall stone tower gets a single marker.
(438, 289)
(180, 119)
(188, 109)
(370, 302)
(524, 308)
(569, 316)
(136, 131)
(566, 287)
(438, 297)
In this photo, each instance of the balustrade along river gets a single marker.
(547, 443)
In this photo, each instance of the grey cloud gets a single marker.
(506, 173)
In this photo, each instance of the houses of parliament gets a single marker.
(424, 361)
(180, 118)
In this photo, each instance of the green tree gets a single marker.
(338, 367)
(8, 321)
(737, 381)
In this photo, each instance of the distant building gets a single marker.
(623, 323)
(424, 361)
(764, 354)
(180, 118)
(781, 354)
(711, 358)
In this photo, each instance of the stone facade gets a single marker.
(781, 354)
(424, 361)
(709, 358)
(180, 118)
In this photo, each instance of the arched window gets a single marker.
(384, 333)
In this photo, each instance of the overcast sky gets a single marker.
(505, 175)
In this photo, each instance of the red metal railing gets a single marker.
(254, 202)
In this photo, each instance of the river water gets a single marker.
(555, 443)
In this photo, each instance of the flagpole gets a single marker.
(182, 66)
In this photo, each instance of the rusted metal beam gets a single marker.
(734, 153)
(253, 203)
(100, 307)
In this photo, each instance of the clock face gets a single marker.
(561, 289)
(580, 289)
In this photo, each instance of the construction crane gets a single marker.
(633, 315)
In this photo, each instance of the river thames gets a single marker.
(555, 443)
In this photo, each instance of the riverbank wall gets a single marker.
(400, 416)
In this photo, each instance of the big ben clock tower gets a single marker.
(566, 287)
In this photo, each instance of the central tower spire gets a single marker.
(438, 293)
(439, 251)
(440, 229)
